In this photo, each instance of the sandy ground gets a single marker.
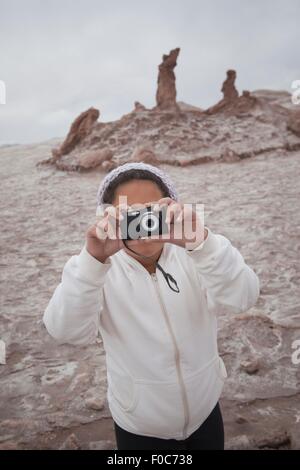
(55, 396)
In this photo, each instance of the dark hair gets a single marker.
(109, 193)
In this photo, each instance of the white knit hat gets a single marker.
(136, 166)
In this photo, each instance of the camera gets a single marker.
(144, 222)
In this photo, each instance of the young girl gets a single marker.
(155, 302)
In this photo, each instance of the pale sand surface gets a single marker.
(44, 216)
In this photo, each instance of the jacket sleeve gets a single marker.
(229, 282)
(73, 313)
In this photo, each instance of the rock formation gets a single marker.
(80, 128)
(139, 107)
(229, 91)
(177, 133)
(144, 154)
(95, 158)
(166, 87)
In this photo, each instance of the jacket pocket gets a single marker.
(204, 388)
(158, 410)
(123, 390)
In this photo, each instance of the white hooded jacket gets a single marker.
(164, 372)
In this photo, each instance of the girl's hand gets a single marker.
(99, 242)
(185, 227)
(103, 238)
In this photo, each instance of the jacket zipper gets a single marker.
(177, 358)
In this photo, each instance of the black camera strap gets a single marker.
(167, 276)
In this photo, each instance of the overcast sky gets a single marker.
(59, 57)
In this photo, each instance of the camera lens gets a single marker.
(149, 222)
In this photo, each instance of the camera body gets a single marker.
(143, 222)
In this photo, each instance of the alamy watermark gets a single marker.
(296, 100)
(153, 220)
(2, 92)
(296, 353)
(296, 94)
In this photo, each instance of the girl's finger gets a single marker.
(121, 208)
(153, 204)
(108, 224)
(166, 200)
(110, 210)
(100, 230)
(173, 210)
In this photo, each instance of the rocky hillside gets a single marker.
(239, 126)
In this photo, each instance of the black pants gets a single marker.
(209, 436)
